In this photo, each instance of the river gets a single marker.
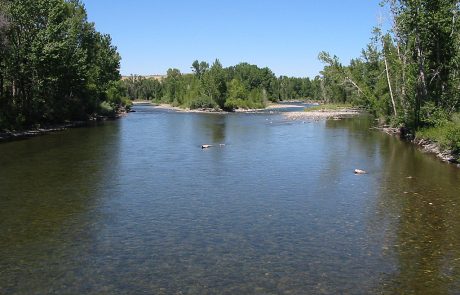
(135, 206)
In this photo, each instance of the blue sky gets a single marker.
(284, 35)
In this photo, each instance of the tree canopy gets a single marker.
(54, 65)
(408, 75)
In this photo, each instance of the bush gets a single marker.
(447, 135)
(238, 103)
(453, 138)
(431, 115)
(106, 109)
(127, 103)
(202, 103)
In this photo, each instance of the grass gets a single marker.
(447, 135)
(329, 107)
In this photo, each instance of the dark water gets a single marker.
(135, 206)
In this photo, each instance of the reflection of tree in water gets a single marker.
(49, 187)
(416, 211)
(416, 217)
(216, 124)
(218, 131)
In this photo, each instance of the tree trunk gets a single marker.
(389, 82)
(421, 83)
(1, 85)
(422, 91)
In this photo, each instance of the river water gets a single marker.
(135, 206)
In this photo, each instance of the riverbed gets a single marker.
(137, 206)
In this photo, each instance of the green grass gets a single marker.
(329, 107)
(447, 135)
(438, 134)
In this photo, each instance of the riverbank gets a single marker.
(324, 112)
(11, 135)
(433, 147)
(165, 106)
(336, 112)
(317, 112)
(424, 143)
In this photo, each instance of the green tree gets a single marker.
(199, 68)
(54, 65)
(214, 84)
(173, 87)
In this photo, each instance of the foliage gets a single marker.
(453, 137)
(408, 76)
(241, 86)
(54, 65)
(447, 135)
(140, 88)
(106, 109)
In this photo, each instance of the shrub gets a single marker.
(106, 109)
(453, 137)
(202, 103)
(431, 115)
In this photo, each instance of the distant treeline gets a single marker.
(54, 65)
(241, 86)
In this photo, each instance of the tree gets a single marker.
(173, 86)
(427, 31)
(214, 84)
(199, 68)
(54, 65)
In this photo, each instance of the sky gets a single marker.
(284, 35)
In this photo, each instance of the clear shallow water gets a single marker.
(136, 206)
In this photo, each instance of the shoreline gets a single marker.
(323, 114)
(425, 145)
(14, 135)
(169, 107)
(7, 136)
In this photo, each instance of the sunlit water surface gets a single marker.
(135, 206)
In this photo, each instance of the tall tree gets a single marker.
(55, 66)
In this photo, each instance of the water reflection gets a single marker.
(50, 187)
(419, 207)
(136, 206)
(215, 125)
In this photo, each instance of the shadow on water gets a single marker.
(418, 204)
(416, 214)
(215, 125)
(413, 220)
(50, 190)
